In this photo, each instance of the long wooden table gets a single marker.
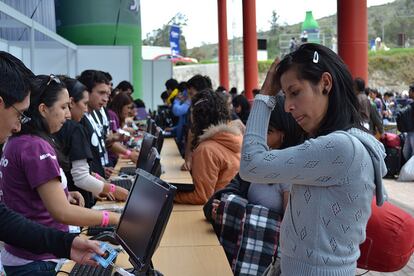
(171, 162)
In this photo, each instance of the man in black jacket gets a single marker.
(14, 228)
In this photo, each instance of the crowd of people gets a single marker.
(314, 158)
(303, 159)
(60, 139)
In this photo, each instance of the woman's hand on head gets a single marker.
(270, 86)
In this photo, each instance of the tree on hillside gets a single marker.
(161, 36)
(402, 22)
(273, 49)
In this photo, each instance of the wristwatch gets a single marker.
(270, 101)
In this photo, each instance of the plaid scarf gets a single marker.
(249, 234)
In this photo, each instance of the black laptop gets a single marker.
(144, 218)
(148, 141)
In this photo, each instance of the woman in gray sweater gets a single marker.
(334, 174)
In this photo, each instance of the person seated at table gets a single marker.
(33, 183)
(119, 109)
(76, 150)
(216, 147)
(96, 124)
(14, 228)
(283, 132)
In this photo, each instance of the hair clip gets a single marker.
(315, 57)
(200, 101)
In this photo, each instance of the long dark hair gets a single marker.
(44, 89)
(118, 102)
(207, 108)
(310, 61)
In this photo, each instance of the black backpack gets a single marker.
(404, 118)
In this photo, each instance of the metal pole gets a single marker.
(32, 46)
(353, 36)
(68, 51)
(250, 48)
(223, 44)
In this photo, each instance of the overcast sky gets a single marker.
(202, 15)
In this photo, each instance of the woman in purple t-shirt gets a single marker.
(119, 109)
(33, 183)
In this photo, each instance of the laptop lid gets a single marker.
(144, 218)
(148, 141)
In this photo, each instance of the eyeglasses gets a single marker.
(53, 78)
(23, 119)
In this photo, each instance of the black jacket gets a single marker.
(18, 231)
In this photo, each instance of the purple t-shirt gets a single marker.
(27, 163)
(114, 124)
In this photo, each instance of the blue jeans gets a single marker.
(36, 268)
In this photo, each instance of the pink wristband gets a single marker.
(128, 153)
(105, 218)
(112, 188)
(97, 176)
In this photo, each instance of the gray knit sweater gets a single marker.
(334, 178)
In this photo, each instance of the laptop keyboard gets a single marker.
(87, 270)
(96, 230)
(128, 170)
(124, 183)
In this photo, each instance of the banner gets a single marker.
(175, 39)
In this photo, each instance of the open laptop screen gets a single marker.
(144, 218)
(148, 142)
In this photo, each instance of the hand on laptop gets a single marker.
(121, 194)
(82, 251)
(134, 156)
(76, 198)
(108, 172)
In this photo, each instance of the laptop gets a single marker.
(152, 163)
(144, 218)
(148, 141)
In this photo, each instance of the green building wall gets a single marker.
(104, 22)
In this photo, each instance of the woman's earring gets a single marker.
(324, 91)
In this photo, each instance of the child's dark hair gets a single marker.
(208, 109)
(284, 121)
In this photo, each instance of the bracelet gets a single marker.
(112, 188)
(105, 218)
(97, 176)
(128, 153)
(270, 101)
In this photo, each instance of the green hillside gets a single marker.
(392, 18)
